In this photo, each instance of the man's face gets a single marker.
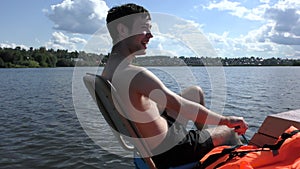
(140, 35)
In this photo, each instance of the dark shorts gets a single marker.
(191, 147)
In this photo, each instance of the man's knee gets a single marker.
(194, 93)
(223, 135)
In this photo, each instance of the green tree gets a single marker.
(41, 59)
(65, 63)
(7, 55)
(33, 64)
(51, 60)
(105, 58)
(2, 63)
(296, 63)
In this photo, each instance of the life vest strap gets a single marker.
(231, 151)
(284, 136)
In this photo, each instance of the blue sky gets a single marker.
(260, 28)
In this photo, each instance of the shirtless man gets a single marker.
(145, 97)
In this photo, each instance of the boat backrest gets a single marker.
(105, 95)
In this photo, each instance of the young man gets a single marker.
(157, 111)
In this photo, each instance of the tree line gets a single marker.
(241, 61)
(214, 61)
(42, 57)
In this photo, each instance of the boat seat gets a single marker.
(108, 102)
(274, 125)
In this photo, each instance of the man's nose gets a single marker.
(149, 35)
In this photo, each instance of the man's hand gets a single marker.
(238, 123)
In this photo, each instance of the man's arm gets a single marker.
(147, 84)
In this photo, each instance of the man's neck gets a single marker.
(121, 53)
(117, 61)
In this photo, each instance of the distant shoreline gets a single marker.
(42, 57)
(154, 66)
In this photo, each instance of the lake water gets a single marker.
(41, 110)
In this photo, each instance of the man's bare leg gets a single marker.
(195, 94)
(221, 135)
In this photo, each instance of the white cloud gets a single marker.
(278, 36)
(60, 38)
(99, 42)
(13, 45)
(62, 41)
(236, 9)
(264, 1)
(251, 45)
(225, 5)
(179, 37)
(286, 26)
(165, 45)
(80, 16)
(286, 4)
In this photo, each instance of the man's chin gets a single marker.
(140, 52)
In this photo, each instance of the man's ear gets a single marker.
(123, 31)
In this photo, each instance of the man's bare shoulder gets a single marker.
(136, 71)
(136, 68)
(129, 74)
(144, 74)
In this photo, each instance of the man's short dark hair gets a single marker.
(118, 12)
